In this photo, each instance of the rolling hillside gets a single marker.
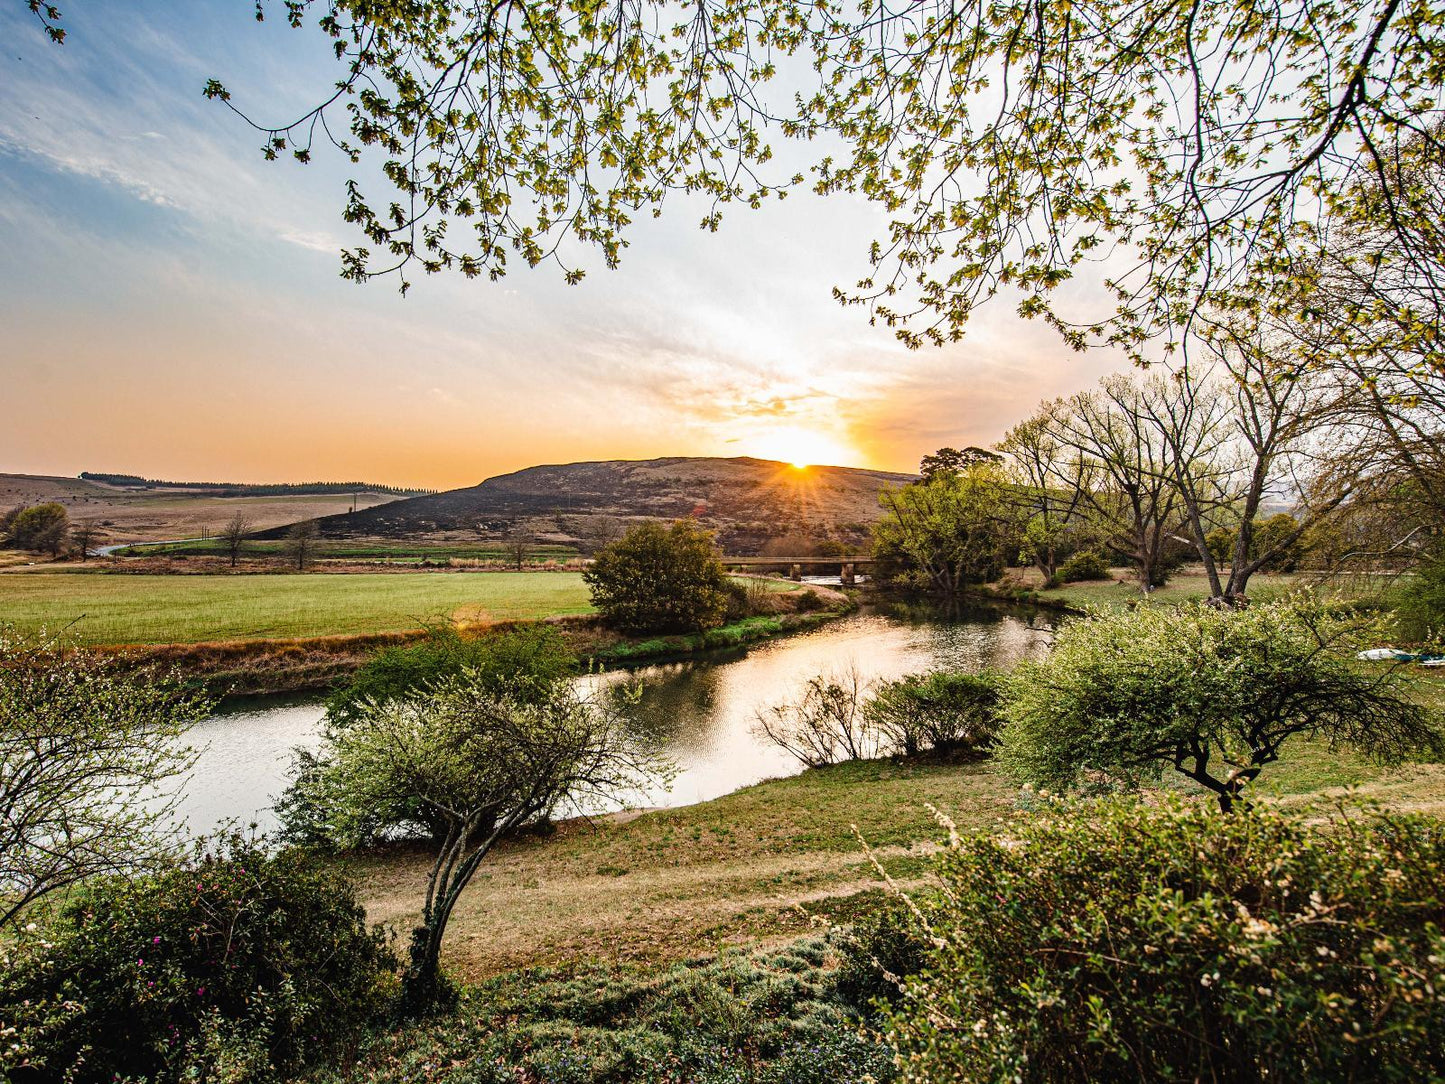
(755, 505)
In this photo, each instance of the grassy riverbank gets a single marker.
(754, 866)
(1187, 585)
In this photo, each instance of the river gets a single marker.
(703, 708)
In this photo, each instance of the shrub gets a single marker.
(879, 952)
(1420, 601)
(1084, 565)
(236, 965)
(1213, 693)
(1115, 941)
(766, 1017)
(660, 579)
(939, 712)
(532, 657)
(826, 725)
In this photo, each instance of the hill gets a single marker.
(754, 505)
(128, 514)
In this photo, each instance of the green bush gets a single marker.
(940, 712)
(530, 657)
(880, 951)
(237, 965)
(1419, 601)
(767, 1017)
(1116, 941)
(1084, 565)
(660, 579)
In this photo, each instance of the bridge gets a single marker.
(847, 564)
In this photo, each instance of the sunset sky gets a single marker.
(171, 305)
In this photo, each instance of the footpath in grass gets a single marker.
(144, 609)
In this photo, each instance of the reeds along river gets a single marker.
(702, 709)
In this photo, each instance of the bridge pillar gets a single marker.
(846, 576)
(796, 573)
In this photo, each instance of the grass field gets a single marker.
(363, 550)
(145, 609)
(1190, 584)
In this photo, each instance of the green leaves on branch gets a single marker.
(1210, 692)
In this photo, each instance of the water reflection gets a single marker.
(701, 710)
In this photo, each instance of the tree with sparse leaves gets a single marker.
(233, 536)
(86, 755)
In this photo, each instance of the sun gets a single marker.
(803, 448)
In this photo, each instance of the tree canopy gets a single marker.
(1212, 693)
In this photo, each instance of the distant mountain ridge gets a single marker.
(754, 505)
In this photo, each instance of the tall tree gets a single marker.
(301, 542)
(1040, 467)
(1118, 465)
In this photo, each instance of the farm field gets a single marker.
(401, 551)
(149, 609)
(125, 515)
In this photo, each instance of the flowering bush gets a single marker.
(1116, 941)
(237, 966)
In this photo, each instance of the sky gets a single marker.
(171, 306)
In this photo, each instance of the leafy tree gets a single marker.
(84, 752)
(529, 664)
(236, 963)
(42, 528)
(1007, 143)
(1132, 942)
(953, 531)
(479, 764)
(1214, 694)
(660, 579)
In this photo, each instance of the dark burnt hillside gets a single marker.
(755, 505)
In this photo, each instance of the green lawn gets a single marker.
(1193, 585)
(141, 609)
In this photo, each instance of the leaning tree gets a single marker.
(1212, 693)
(476, 763)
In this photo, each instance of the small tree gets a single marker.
(301, 542)
(233, 536)
(517, 547)
(660, 579)
(1212, 693)
(86, 535)
(84, 751)
(478, 764)
(826, 724)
